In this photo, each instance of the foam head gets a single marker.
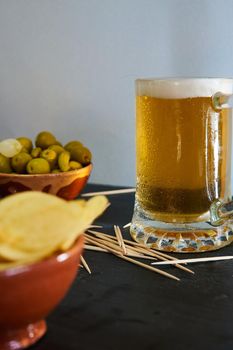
(183, 88)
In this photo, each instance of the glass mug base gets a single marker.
(179, 237)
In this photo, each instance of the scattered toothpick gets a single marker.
(117, 236)
(85, 264)
(127, 250)
(120, 239)
(116, 252)
(127, 225)
(111, 192)
(130, 252)
(161, 272)
(96, 249)
(140, 248)
(194, 260)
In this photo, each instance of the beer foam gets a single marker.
(183, 88)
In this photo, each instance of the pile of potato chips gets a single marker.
(35, 225)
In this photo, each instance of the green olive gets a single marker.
(70, 145)
(56, 171)
(45, 139)
(5, 164)
(38, 166)
(19, 162)
(81, 155)
(75, 165)
(24, 150)
(35, 153)
(50, 156)
(58, 149)
(58, 143)
(64, 160)
(26, 143)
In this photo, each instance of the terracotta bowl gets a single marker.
(30, 293)
(65, 185)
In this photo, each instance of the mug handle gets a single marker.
(222, 101)
(221, 211)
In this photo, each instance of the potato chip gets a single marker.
(34, 225)
(10, 253)
(88, 211)
(8, 265)
(92, 208)
(14, 256)
(17, 206)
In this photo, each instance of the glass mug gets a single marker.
(183, 148)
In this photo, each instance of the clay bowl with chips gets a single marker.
(66, 185)
(29, 293)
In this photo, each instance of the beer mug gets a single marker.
(183, 149)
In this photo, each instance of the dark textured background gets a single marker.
(123, 306)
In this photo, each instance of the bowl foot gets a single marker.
(21, 338)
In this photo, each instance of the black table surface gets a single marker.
(121, 305)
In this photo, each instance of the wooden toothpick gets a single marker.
(121, 256)
(140, 248)
(111, 192)
(85, 264)
(194, 260)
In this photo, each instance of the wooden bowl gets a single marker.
(29, 293)
(66, 185)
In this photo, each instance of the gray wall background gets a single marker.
(69, 66)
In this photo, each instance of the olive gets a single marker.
(45, 139)
(56, 171)
(75, 165)
(10, 147)
(19, 162)
(58, 143)
(26, 143)
(64, 160)
(50, 156)
(81, 155)
(38, 166)
(5, 164)
(24, 150)
(57, 148)
(35, 153)
(68, 147)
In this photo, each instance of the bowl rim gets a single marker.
(83, 171)
(51, 260)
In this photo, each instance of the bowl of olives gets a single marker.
(47, 166)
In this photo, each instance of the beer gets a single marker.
(183, 153)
